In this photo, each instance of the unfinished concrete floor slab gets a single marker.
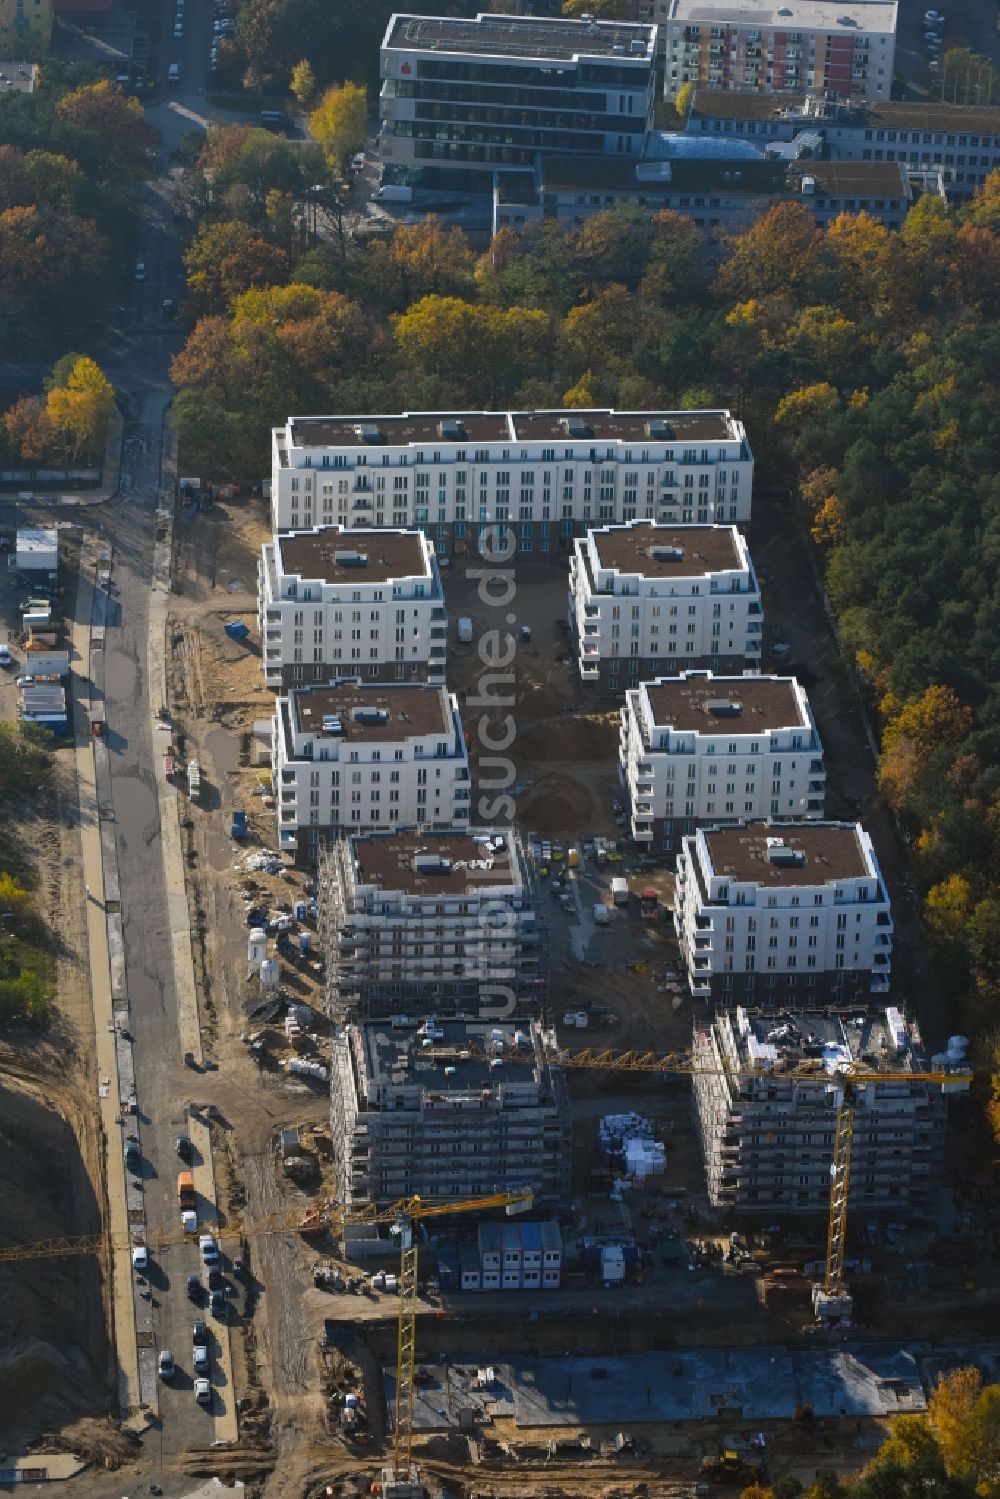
(752, 1384)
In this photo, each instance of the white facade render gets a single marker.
(548, 475)
(364, 603)
(770, 913)
(425, 921)
(367, 754)
(647, 599)
(697, 747)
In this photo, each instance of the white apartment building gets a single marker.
(362, 603)
(647, 599)
(842, 48)
(771, 914)
(547, 475)
(366, 754)
(432, 921)
(696, 748)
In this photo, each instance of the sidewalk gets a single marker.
(109, 1082)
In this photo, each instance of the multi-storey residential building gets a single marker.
(697, 748)
(334, 603)
(772, 914)
(462, 97)
(446, 1110)
(960, 141)
(25, 34)
(546, 475)
(365, 754)
(802, 45)
(767, 1141)
(722, 195)
(646, 599)
(419, 920)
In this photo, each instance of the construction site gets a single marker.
(520, 1259)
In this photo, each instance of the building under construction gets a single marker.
(768, 1140)
(418, 920)
(446, 1110)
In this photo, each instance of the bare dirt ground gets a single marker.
(55, 1360)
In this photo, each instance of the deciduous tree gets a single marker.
(340, 123)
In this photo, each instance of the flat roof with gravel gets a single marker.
(655, 551)
(715, 705)
(332, 555)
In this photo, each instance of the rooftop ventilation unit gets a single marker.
(662, 553)
(351, 559)
(659, 429)
(432, 864)
(452, 431)
(778, 852)
(723, 707)
(638, 47)
(368, 432)
(808, 185)
(332, 724)
(575, 426)
(370, 715)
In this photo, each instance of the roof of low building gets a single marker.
(740, 104)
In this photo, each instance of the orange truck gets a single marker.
(185, 1190)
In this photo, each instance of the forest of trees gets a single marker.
(71, 155)
(864, 363)
(26, 961)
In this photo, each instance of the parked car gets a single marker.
(165, 1364)
(182, 1145)
(140, 270)
(25, 681)
(200, 1359)
(203, 1392)
(209, 1249)
(189, 1221)
(217, 1305)
(195, 1289)
(216, 1280)
(199, 1332)
(140, 1258)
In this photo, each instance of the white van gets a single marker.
(174, 73)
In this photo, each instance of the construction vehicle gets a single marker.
(730, 1467)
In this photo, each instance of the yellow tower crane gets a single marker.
(400, 1216)
(832, 1293)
